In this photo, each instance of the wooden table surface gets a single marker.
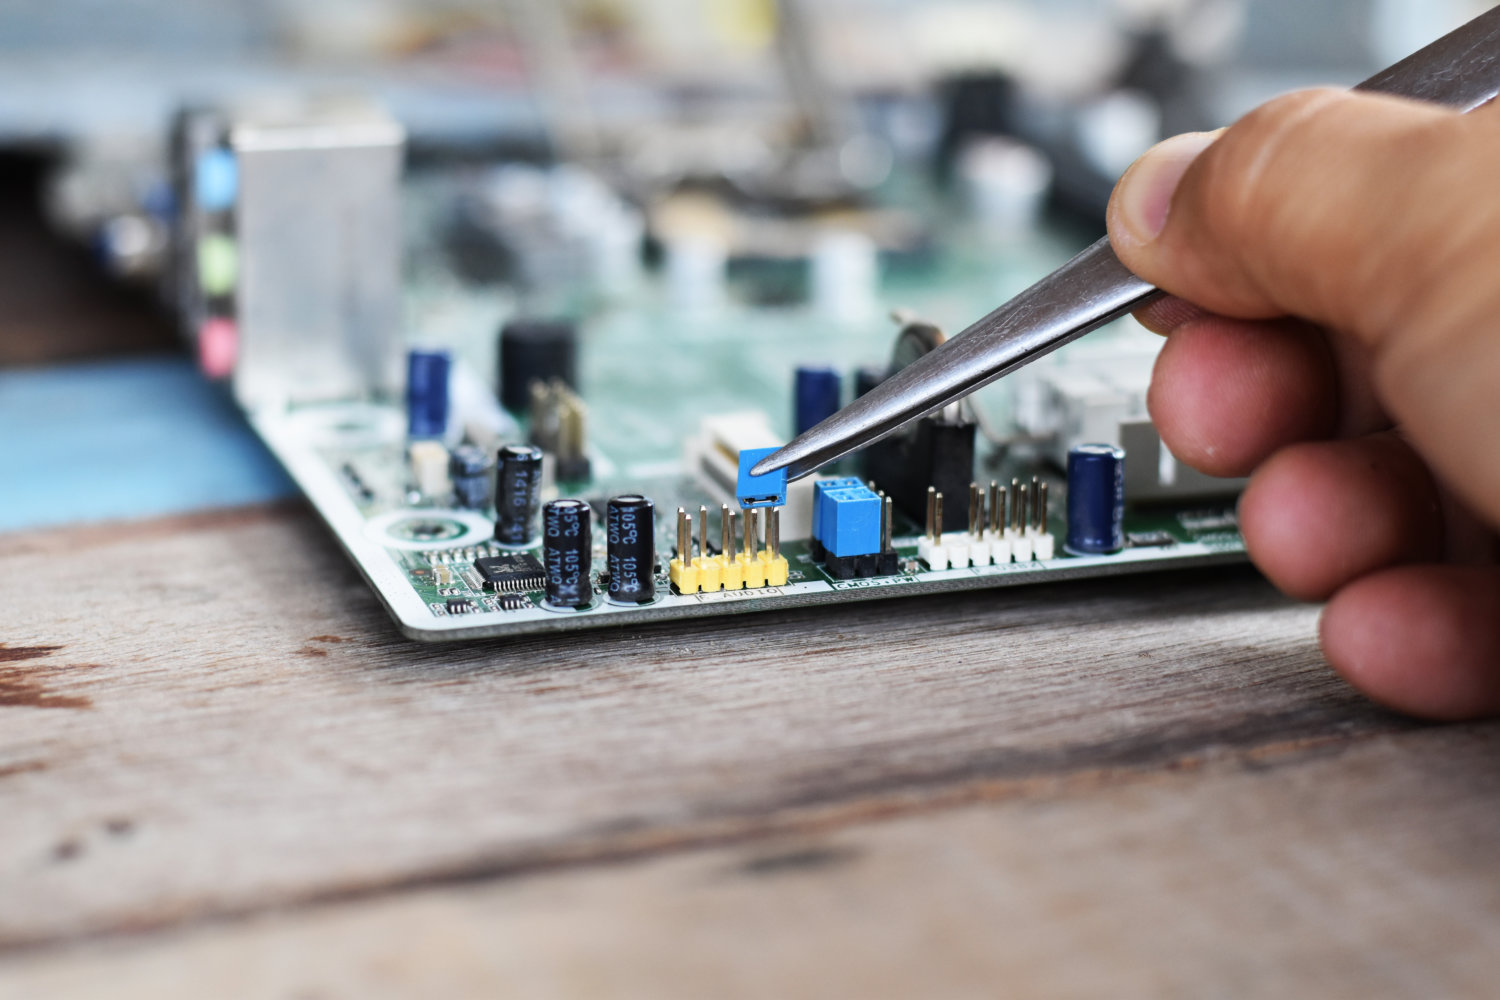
(218, 778)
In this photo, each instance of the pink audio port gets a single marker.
(218, 343)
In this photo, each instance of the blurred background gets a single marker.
(787, 105)
(662, 171)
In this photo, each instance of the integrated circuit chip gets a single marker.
(511, 573)
(1149, 539)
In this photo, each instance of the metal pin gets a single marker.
(1022, 508)
(751, 542)
(684, 536)
(1015, 497)
(773, 532)
(702, 532)
(997, 507)
(1041, 517)
(1036, 493)
(886, 521)
(931, 512)
(726, 530)
(976, 510)
(937, 515)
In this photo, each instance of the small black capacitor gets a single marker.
(518, 493)
(535, 350)
(469, 468)
(567, 553)
(630, 522)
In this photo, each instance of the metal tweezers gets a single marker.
(1461, 70)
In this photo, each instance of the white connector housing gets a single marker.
(429, 469)
(957, 543)
(934, 554)
(1020, 545)
(1043, 545)
(1096, 394)
(712, 456)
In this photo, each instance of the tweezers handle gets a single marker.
(1460, 70)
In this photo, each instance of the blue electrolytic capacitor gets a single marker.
(1096, 500)
(817, 391)
(469, 468)
(427, 393)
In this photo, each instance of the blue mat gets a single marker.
(113, 440)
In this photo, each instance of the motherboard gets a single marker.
(526, 400)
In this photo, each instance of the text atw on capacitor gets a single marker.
(567, 553)
(518, 493)
(630, 554)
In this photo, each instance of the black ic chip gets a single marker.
(460, 606)
(1149, 539)
(511, 573)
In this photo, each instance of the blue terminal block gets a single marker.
(822, 504)
(759, 491)
(851, 522)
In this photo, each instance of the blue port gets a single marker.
(820, 503)
(760, 491)
(851, 522)
(216, 180)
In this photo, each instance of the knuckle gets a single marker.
(1258, 163)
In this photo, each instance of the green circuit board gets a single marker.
(650, 373)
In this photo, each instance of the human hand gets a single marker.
(1341, 253)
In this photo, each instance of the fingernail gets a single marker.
(1144, 197)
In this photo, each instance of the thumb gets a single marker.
(1371, 215)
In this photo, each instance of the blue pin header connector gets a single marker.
(821, 503)
(851, 522)
(759, 491)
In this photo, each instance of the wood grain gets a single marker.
(233, 724)
(1358, 870)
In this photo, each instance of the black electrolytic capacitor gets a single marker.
(567, 551)
(469, 468)
(518, 493)
(535, 350)
(630, 522)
